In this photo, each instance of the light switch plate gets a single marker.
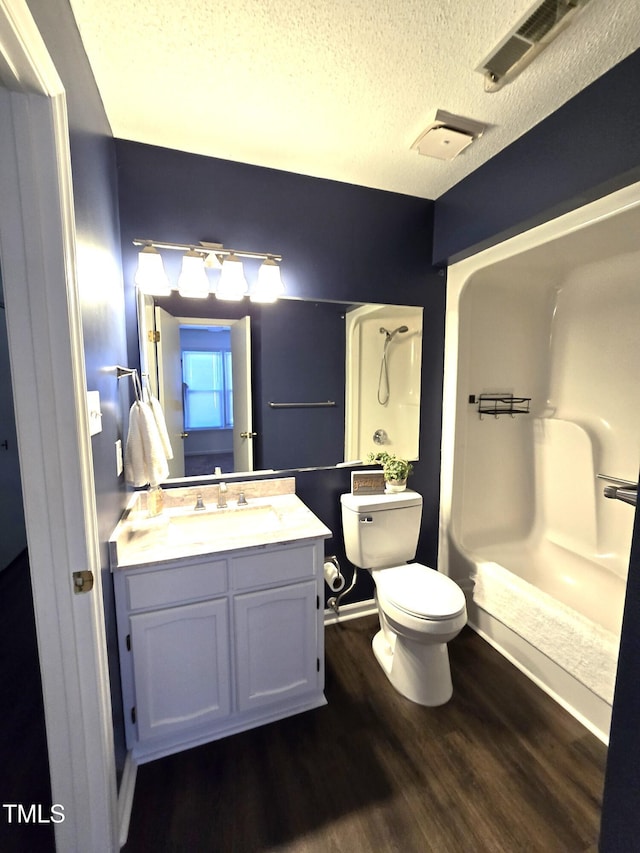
(95, 415)
(119, 463)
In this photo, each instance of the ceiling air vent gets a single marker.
(528, 38)
(447, 135)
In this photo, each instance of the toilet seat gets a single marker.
(419, 591)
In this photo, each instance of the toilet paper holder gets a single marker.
(332, 570)
(333, 577)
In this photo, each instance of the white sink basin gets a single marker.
(180, 531)
(222, 524)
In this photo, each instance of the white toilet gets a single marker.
(420, 609)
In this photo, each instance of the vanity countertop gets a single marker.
(274, 514)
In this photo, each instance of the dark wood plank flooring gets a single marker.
(499, 768)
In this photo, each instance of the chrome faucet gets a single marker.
(222, 496)
(199, 504)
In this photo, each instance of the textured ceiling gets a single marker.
(334, 88)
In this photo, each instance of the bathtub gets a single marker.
(546, 323)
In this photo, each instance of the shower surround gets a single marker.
(384, 357)
(551, 315)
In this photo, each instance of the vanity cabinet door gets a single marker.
(276, 644)
(181, 667)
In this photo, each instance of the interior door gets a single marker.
(170, 385)
(14, 536)
(243, 434)
(146, 325)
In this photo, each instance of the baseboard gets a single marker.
(351, 611)
(125, 797)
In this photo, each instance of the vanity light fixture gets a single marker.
(150, 276)
(212, 261)
(269, 285)
(232, 284)
(193, 281)
(200, 257)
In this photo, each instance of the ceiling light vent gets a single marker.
(530, 36)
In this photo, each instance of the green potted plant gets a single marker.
(395, 470)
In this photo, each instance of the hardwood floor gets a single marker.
(501, 767)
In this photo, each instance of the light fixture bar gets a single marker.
(200, 257)
(216, 248)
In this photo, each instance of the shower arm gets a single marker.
(622, 490)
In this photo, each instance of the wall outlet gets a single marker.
(119, 463)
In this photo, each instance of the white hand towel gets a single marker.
(134, 466)
(145, 459)
(158, 414)
(154, 455)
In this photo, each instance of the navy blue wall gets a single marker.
(100, 281)
(302, 357)
(339, 242)
(584, 150)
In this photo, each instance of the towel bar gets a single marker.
(324, 404)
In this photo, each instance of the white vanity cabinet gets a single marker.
(276, 645)
(181, 668)
(217, 644)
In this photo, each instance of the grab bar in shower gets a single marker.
(621, 490)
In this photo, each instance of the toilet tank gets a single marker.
(381, 530)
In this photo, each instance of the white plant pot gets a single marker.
(394, 486)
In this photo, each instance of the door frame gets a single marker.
(37, 250)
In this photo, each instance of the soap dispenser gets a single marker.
(155, 500)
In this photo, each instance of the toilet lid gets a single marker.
(420, 591)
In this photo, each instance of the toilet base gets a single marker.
(418, 671)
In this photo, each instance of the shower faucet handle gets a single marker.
(380, 437)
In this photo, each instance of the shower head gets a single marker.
(390, 335)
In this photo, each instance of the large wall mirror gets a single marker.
(290, 385)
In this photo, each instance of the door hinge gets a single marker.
(82, 581)
(317, 664)
(317, 602)
(133, 714)
(153, 336)
(128, 642)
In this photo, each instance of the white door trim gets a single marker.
(37, 251)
